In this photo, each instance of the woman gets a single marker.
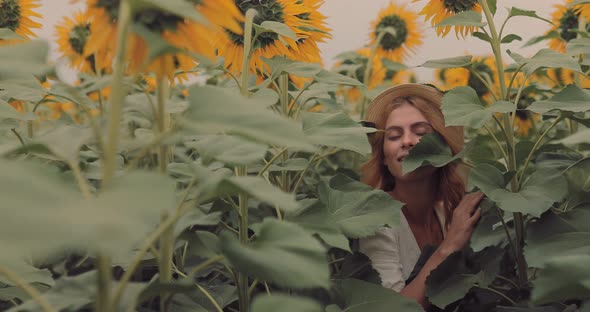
(436, 213)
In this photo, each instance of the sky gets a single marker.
(350, 22)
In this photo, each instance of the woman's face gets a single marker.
(404, 127)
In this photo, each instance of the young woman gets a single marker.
(436, 211)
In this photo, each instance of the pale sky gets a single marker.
(350, 21)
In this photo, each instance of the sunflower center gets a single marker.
(9, 14)
(78, 37)
(568, 23)
(457, 6)
(477, 85)
(392, 41)
(268, 10)
(155, 20)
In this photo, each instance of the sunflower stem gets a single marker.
(118, 93)
(369, 69)
(248, 26)
(103, 300)
(165, 263)
(244, 298)
(509, 131)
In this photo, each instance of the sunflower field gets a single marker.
(206, 160)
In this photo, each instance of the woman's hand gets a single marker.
(464, 218)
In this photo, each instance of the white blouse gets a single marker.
(394, 251)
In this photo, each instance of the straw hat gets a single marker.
(380, 103)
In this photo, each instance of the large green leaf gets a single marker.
(330, 77)
(215, 110)
(360, 296)
(465, 18)
(565, 277)
(228, 149)
(359, 209)
(537, 194)
(8, 34)
(489, 230)
(316, 219)
(282, 253)
(582, 136)
(284, 303)
(545, 58)
(514, 11)
(336, 130)
(432, 150)
(555, 235)
(262, 190)
(462, 107)
(65, 141)
(280, 65)
(23, 60)
(112, 222)
(452, 62)
(278, 28)
(571, 99)
(22, 89)
(578, 46)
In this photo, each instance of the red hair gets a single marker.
(451, 184)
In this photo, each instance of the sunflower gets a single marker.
(450, 78)
(230, 44)
(407, 37)
(438, 10)
(16, 15)
(565, 20)
(314, 32)
(72, 36)
(173, 29)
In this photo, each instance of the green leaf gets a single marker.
(284, 303)
(262, 190)
(8, 34)
(571, 99)
(358, 209)
(511, 37)
(391, 65)
(283, 253)
(462, 107)
(576, 2)
(23, 60)
(278, 28)
(360, 296)
(228, 149)
(315, 218)
(280, 65)
(291, 164)
(545, 58)
(563, 278)
(537, 194)
(65, 141)
(578, 46)
(550, 35)
(196, 216)
(514, 11)
(333, 78)
(582, 136)
(336, 130)
(432, 150)
(493, 6)
(451, 62)
(28, 273)
(482, 36)
(215, 109)
(489, 230)
(112, 222)
(181, 8)
(465, 18)
(22, 89)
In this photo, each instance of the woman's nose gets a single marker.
(410, 139)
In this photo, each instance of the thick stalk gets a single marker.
(284, 100)
(247, 51)
(509, 128)
(162, 94)
(103, 298)
(243, 234)
(368, 71)
(165, 264)
(118, 93)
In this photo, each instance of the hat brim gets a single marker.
(380, 103)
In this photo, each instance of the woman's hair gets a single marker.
(451, 186)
